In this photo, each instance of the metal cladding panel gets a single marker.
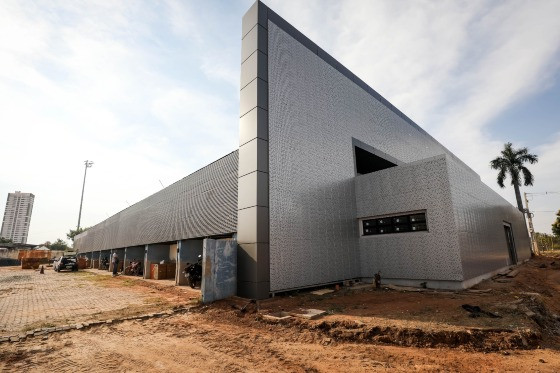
(314, 111)
(480, 213)
(199, 205)
(429, 255)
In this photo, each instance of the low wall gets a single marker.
(8, 262)
(219, 269)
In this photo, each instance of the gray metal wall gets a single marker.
(199, 205)
(479, 214)
(465, 217)
(314, 111)
(429, 255)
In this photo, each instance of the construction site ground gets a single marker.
(125, 324)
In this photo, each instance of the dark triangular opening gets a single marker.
(367, 162)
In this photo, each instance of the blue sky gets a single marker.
(532, 120)
(150, 90)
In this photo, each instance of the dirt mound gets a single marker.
(524, 312)
(333, 331)
(540, 313)
(470, 339)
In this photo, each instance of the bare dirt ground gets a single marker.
(365, 330)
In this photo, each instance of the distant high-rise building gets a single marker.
(17, 216)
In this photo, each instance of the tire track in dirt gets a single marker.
(214, 342)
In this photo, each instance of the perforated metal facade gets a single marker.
(292, 192)
(433, 254)
(199, 205)
(480, 214)
(316, 110)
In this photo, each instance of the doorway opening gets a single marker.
(510, 243)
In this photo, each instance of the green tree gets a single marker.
(59, 245)
(556, 225)
(74, 232)
(546, 241)
(510, 163)
(5, 240)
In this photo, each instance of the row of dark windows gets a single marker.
(395, 224)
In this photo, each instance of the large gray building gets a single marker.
(17, 216)
(330, 182)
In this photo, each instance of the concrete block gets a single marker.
(256, 66)
(277, 317)
(253, 262)
(253, 225)
(256, 39)
(253, 156)
(254, 94)
(253, 290)
(252, 125)
(310, 314)
(253, 190)
(257, 14)
(219, 269)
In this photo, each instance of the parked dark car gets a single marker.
(66, 263)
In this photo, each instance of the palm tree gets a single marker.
(511, 163)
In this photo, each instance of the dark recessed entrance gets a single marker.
(510, 243)
(367, 162)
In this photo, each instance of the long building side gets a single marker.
(316, 113)
(320, 154)
(202, 204)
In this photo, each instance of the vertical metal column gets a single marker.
(178, 263)
(253, 214)
(534, 246)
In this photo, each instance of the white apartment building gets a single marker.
(17, 216)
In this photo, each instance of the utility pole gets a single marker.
(534, 245)
(88, 164)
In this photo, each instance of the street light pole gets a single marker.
(534, 245)
(88, 164)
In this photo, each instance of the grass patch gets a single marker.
(128, 282)
(156, 301)
(99, 278)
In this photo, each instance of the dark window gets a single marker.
(371, 230)
(400, 219)
(419, 227)
(384, 221)
(370, 223)
(367, 162)
(395, 224)
(416, 218)
(384, 229)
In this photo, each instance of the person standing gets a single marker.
(115, 262)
